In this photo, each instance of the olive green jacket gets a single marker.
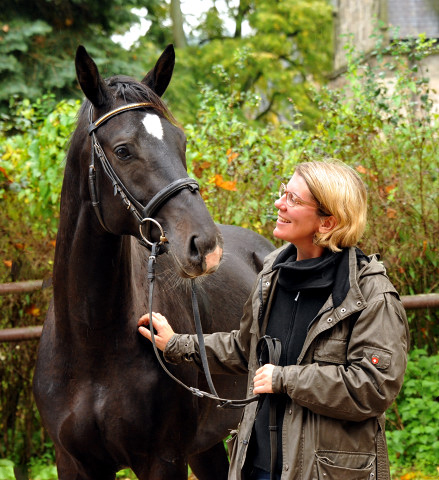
(349, 372)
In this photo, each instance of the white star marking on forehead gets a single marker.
(153, 125)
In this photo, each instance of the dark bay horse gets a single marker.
(101, 393)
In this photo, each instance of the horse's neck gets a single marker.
(93, 275)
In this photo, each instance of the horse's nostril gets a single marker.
(206, 254)
(193, 248)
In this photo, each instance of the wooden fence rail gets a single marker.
(410, 302)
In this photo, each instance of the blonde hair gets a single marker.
(340, 192)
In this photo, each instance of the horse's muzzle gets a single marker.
(213, 259)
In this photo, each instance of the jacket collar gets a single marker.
(344, 304)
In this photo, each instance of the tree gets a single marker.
(177, 24)
(285, 48)
(38, 40)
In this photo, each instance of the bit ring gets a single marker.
(163, 238)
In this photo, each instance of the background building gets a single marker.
(403, 19)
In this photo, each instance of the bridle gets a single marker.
(144, 214)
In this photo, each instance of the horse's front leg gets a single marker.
(159, 468)
(71, 469)
(212, 464)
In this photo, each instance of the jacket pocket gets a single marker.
(331, 351)
(378, 357)
(345, 465)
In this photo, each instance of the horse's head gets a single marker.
(138, 152)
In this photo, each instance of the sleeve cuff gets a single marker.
(180, 347)
(284, 379)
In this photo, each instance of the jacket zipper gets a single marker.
(291, 325)
(261, 303)
(245, 442)
(261, 306)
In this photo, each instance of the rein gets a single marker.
(144, 214)
(213, 395)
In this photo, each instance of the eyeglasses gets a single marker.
(292, 199)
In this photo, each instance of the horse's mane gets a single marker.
(132, 91)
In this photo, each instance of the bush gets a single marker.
(33, 138)
(33, 159)
(413, 436)
(382, 122)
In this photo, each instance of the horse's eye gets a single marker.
(122, 152)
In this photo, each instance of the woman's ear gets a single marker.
(327, 224)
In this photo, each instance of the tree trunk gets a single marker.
(244, 7)
(177, 24)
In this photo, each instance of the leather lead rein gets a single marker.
(223, 402)
(272, 344)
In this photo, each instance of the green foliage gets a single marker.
(32, 142)
(235, 164)
(413, 436)
(290, 41)
(33, 159)
(7, 469)
(38, 41)
(14, 42)
(287, 50)
(43, 467)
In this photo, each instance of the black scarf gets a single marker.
(332, 268)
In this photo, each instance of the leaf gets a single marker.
(389, 188)
(7, 469)
(33, 310)
(231, 155)
(224, 184)
(5, 174)
(391, 213)
(361, 169)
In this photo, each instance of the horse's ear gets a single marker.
(159, 77)
(89, 78)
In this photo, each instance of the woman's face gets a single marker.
(299, 223)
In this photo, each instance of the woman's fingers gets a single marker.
(143, 320)
(263, 379)
(161, 326)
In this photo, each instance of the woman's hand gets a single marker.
(162, 327)
(263, 379)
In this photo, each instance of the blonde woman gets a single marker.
(343, 333)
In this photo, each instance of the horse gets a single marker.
(100, 391)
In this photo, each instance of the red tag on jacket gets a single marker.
(375, 359)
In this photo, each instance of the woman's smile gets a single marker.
(281, 219)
